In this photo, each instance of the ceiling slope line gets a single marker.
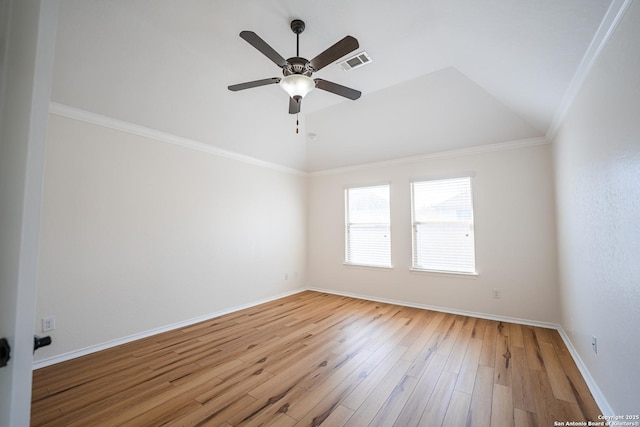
(487, 148)
(609, 23)
(69, 112)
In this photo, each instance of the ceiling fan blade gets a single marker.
(337, 51)
(254, 40)
(255, 83)
(347, 92)
(294, 105)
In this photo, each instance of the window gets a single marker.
(443, 237)
(367, 226)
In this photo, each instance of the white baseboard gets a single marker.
(593, 386)
(602, 402)
(442, 309)
(113, 343)
(600, 399)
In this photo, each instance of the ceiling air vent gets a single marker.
(355, 61)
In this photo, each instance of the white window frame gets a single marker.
(349, 225)
(415, 226)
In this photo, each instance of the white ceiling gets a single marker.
(445, 74)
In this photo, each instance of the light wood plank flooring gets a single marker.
(314, 358)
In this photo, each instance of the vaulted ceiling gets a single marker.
(445, 74)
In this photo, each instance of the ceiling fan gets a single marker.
(297, 71)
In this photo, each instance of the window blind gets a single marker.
(367, 226)
(443, 235)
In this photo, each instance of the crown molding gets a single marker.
(609, 23)
(73, 113)
(508, 145)
(69, 112)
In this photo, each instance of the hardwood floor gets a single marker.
(314, 358)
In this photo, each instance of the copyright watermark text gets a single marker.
(604, 421)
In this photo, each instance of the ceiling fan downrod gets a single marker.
(297, 26)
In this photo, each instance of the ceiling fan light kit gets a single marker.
(297, 85)
(297, 71)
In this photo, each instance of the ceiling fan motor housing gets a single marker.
(297, 65)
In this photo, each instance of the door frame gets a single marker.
(26, 72)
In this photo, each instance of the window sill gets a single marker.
(444, 273)
(376, 267)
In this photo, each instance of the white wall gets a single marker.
(597, 162)
(515, 235)
(138, 234)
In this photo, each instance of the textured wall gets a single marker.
(597, 161)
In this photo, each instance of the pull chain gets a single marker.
(297, 123)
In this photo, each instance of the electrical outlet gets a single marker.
(48, 323)
(496, 293)
(594, 344)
